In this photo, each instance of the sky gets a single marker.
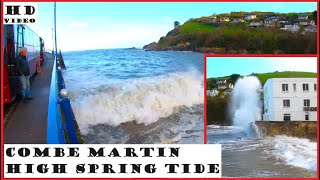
(84, 26)
(225, 66)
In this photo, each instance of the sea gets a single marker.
(136, 96)
(253, 156)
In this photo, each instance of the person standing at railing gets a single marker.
(23, 70)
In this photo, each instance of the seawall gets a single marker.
(301, 129)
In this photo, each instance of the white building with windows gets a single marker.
(290, 99)
(292, 28)
(250, 17)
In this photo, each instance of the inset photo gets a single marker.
(263, 110)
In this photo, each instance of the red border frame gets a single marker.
(205, 77)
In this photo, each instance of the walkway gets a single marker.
(27, 123)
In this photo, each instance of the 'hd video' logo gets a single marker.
(20, 12)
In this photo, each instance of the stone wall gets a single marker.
(301, 129)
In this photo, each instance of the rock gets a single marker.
(151, 46)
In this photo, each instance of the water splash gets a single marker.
(256, 130)
(245, 106)
(143, 100)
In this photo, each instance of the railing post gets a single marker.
(55, 134)
(61, 62)
(67, 111)
(60, 80)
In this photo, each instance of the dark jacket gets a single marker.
(23, 66)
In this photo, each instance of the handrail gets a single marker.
(60, 109)
(54, 127)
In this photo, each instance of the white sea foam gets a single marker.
(143, 100)
(295, 151)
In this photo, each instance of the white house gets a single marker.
(230, 86)
(212, 92)
(303, 23)
(222, 84)
(250, 17)
(255, 24)
(224, 19)
(292, 28)
(312, 23)
(271, 21)
(310, 29)
(238, 20)
(290, 99)
(303, 17)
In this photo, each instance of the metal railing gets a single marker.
(61, 122)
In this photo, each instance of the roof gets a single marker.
(223, 81)
(292, 79)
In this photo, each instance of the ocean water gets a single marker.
(279, 156)
(136, 96)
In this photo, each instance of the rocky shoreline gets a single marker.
(214, 50)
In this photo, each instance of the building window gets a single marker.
(315, 87)
(294, 86)
(305, 87)
(285, 88)
(306, 102)
(307, 117)
(286, 117)
(286, 103)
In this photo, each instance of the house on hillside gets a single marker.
(255, 24)
(176, 24)
(212, 92)
(310, 29)
(224, 19)
(292, 28)
(284, 22)
(214, 18)
(312, 23)
(228, 92)
(303, 17)
(222, 84)
(306, 23)
(271, 21)
(240, 20)
(230, 86)
(250, 17)
(303, 23)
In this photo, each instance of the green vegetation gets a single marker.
(216, 110)
(208, 35)
(195, 27)
(286, 74)
(263, 77)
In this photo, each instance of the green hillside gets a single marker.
(195, 27)
(263, 77)
(287, 74)
(223, 34)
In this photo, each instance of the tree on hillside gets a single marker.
(233, 78)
